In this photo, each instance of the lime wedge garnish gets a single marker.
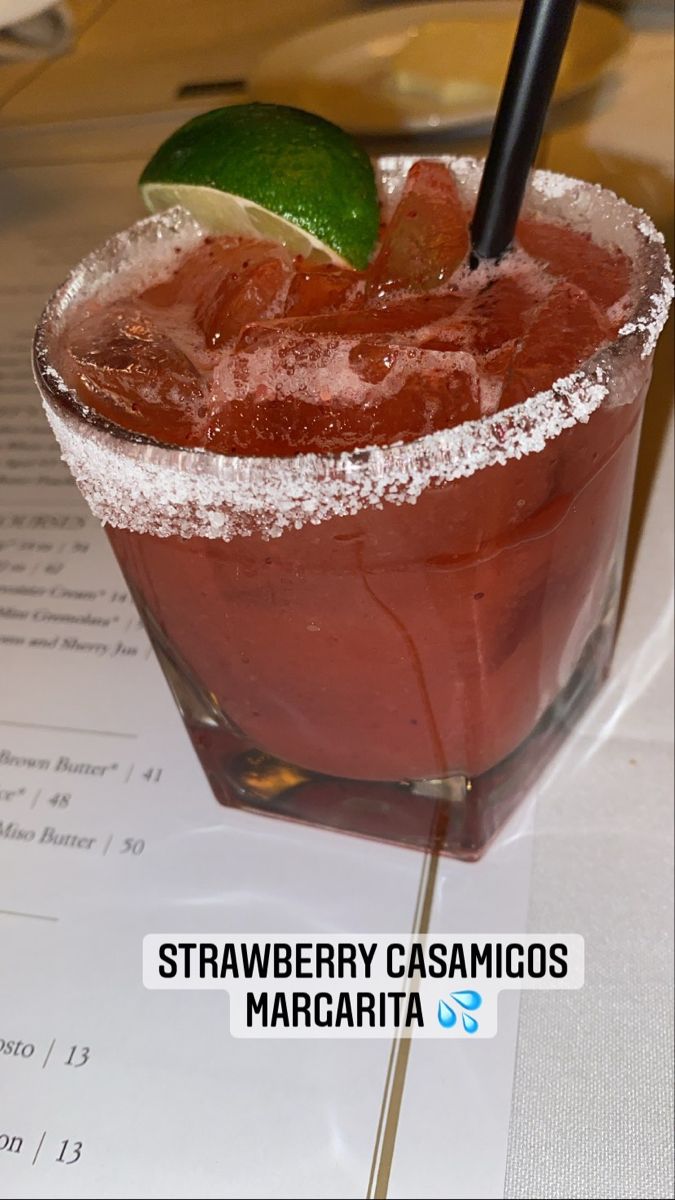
(268, 171)
(221, 212)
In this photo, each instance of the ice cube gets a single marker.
(563, 331)
(322, 289)
(256, 292)
(202, 269)
(602, 271)
(413, 319)
(497, 313)
(225, 283)
(427, 238)
(295, 392)
(135, 375)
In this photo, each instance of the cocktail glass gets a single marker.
(390, 642)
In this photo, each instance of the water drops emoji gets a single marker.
(468, 1002)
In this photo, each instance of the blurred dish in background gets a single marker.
(642, 14)
(419, 67)
(12, 11)
(32, 29)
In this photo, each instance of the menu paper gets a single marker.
(109, 832)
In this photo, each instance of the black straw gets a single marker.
(540, 42)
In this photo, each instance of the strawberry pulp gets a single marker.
(401, 642)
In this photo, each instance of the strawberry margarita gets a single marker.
(374, 520)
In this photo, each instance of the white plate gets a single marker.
(33, 29)
(354, 71)
(13, 11)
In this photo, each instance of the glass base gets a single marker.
(456, 815)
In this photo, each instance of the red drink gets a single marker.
(398, 561)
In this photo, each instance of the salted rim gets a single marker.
(134, 483)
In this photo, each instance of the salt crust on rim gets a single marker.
(153, 489)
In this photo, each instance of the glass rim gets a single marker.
(215, 495)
